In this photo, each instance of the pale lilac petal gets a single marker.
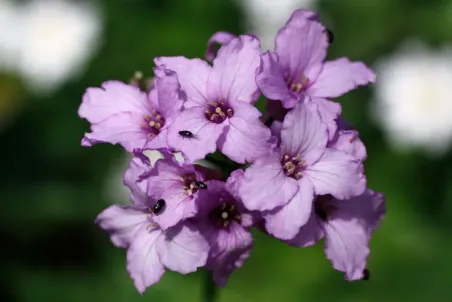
(159, 141)
(309, 234)
(367, 209)
(221, 38)
(301, 46)
(143, 263)
(348, 141)
(229, 250)
(124, 129)
(340, 76)
(265, 186)
(338, 174)
(286, 223)
(113, 98)
(170, 98)
(122, 223)
(271, 82)
(192, 75)
(297, 18)
(205, 134)
(234, 70)
(329, 113)
(247, 138)
(304, 133)
(183, 249)
(347, 246)
(165, 183)
(131, 179)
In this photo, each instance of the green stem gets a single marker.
(209, 288)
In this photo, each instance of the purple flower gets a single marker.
(348, 141)
(151, 250)
(123, 114)
(347, 226)
(219, 111)
(225, 223)
(175, 183)
(284, 184)
(221, 38)
(298, 68)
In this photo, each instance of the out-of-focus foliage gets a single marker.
(51, 188)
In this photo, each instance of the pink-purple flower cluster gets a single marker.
(299, 178)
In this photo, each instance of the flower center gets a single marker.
(218, 111)
(293, 166)
(191, 184)
(323, 207)
(297, 85)
(153, 123)
(224, 214)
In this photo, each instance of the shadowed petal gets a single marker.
(170, 98)
(329, 112)
(340, 76)
(192, 75)
(271, 82)
(131, 178)
(348, 141)
(309, 234)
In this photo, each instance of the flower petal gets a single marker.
(329, 113)
(229, 250)
(285, 224)
(183, 249)
(247, 138)
(170, 98)
(340, 76)
(304, 133)
(338, 174)
(348, 141)
(221, 38)
(234, 70)
(205, 134)
(165, 183)
(301, 46)
(265, 187)
(192, 75)
(347, 246)
(143, 263)
(122, 223)
(309, 234)
(112, 98)
(368, 209)
(271, 81)
(131, 179)
(124, 129)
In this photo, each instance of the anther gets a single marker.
(224, 215)
(152, 123)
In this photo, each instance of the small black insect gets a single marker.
(330, 36)
(201, 185)
(186, 134)
(366, 275)
(158, 206)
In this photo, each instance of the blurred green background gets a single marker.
(52, 189)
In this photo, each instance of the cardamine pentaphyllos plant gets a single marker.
(297, 174)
